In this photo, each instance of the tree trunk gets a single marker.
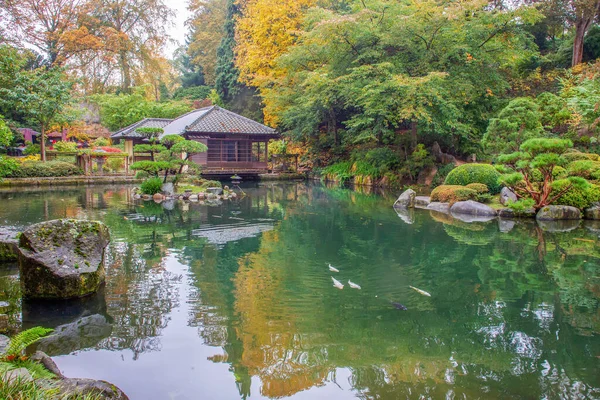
(413, 134)
(43, 144)
(125, 72)
(580, 29)
(583, 21)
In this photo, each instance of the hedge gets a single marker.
(475, 173)
(37, 169)
(581, 198)
(576, 155)
(583, 168)
(452, 193)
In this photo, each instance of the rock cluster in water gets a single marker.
(470, 210)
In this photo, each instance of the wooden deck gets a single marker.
(226, 172)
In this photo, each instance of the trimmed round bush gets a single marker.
(452, 193)
(37, 169)
(559, 172)
(583, 168)
(475, 173)
(579, 197)
(576, 155)
(151, 186)
(478, 187)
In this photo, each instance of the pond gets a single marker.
(236, 300)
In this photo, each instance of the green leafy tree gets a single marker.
(6, 135)
(519, 121)
(118, 111)
(538, 157)
(40, 95)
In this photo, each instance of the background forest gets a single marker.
(364, 87)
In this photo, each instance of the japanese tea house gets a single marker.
(236, 144)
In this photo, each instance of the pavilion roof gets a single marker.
(130, 131)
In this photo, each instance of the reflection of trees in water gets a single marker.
(140, 294)
(508, 332)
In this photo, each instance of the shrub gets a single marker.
(559, 172)
(480, 188)
(100, 142)
(475, 173)
(383, 158)
(8, 166)
(32, 149)
(115, 164)
(441, 174)
(34, 169)
(151, 186)
(141, 175)
(576, 155)
(341, 171)
(65, 146)
(583, 168)
(452, 193)
(579, 196)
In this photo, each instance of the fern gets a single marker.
(19, 342)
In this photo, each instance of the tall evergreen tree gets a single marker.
(235, 95)
(226, 82)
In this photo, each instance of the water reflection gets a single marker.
(513, 313)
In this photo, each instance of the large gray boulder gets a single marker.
(592, 212)
(507, 195)
(406, 199)
(422, 201)
(62, 259)
(553, 213)
(9, 245)
(510, 214)
(439, 207)
(471, 207)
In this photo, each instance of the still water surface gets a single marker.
(235, 300)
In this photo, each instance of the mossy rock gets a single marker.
(62, 259)
(9, 246)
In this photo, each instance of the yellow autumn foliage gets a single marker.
(266, 29)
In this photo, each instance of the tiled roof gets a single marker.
(130, 131)
(180, 124)
(219, 120)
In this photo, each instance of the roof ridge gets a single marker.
(210, 109)
(130, 126)
(245, 118)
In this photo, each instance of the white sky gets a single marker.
(178, 30)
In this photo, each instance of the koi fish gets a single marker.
(337, 283)
(333, 269)
(353, 285)
(399, 306)
(424, 293)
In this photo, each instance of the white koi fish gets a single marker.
(353, 285)
(337, 283)
(424, 293)
(333, 269)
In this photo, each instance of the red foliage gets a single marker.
(109, 149)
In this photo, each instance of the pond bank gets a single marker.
(112, 180)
